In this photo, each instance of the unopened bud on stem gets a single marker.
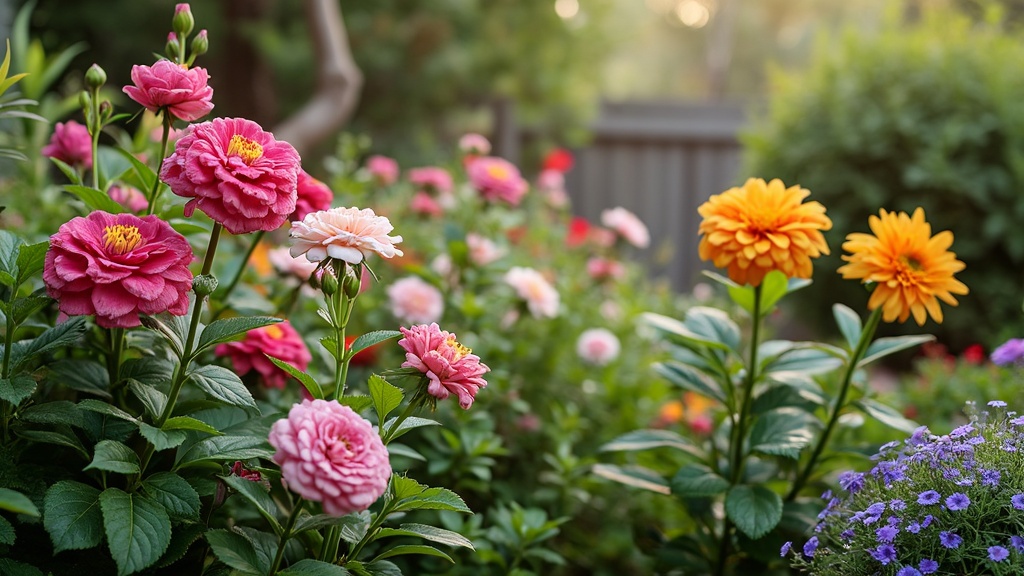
(200, 44)
(183, 21)
(95, 77)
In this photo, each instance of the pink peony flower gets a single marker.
(332, 455)
(497, 180)
(236, 173)
(71, 144)
(415, 301)
(474, 144)
(541, 298)
(605, 269)
(451, 367)
(130, 197)
(312, 195)
(383, 169)
(431, 179)
(423, 203)
(278, 340)
(481, 250)
(180, 90)
(117, 267)
(597, 346)
(348, 234)
(627, 225)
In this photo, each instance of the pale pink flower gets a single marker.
(549, 180)
(312, 195)
(497, 179)
(627, 225)
(415, 301)
(703, 292)
(236, 173)
(330, 454)
(605, 269)
(278, 340)
(423, 203)
(184, 92)
(602, 237)
(431, 179)
(597, 346)
(348, 234)
(71, 144)
(285, 263)
(540, 296)
(383, 169)
(450, 367)
(610, 310)
(481, 250)
(173, 135)
(117, 267)
(442, 264)
(474, 144)
(128, 196)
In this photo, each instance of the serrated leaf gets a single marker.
(689, 378)
(60, 335)
(175, 494)
(114, 457)
(224, 385)
(413, 549)
(695, 480)
(647, 439)
(227, 328)
(95, 199)
(883, 347)
(635, 476)
(16, 390)
(190, 423)
(107, 409)
(30, 260)
(152, 399)
(364, 341)
(849, 324)
(355, 527)
(14, 501)
(306, 380)
(404, 487)
(755, 510)
(64, 438)
(10, 567)
(10, 244)
(782, 432)
(427, 532)
(236, 551)
(309, 567)
(357, 402)
(433, 499)
(886, 415)
(25, 307)
(58, 412)
(161, 439)
(7, 535)
(256, 494)
(386, 396)
(182, 538)
(137, 528)
(72, 516)
(222, 448)
(82, 376)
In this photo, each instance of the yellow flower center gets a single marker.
(460, 350)
(275, 332)
(498, 172)
(248, 150)
(121, 239)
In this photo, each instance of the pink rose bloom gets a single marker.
(312, 196)
(423, 203)
(431, 179)
(236, 173)
(605, 269)
(414, 301)
(541, 298)
(330, 454)
(481, 250)
(497, 179)
(383, 169)
(130, 197)
(474, 144)
(348, 234)
(182, 91)
(627, 225)
(597, 346)
(71, 144)
(450, 367)
(278, 340)
(117, 267)
(286, 264)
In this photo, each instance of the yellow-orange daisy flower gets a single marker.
(913, 270)
(761, 227)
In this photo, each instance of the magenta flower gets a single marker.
(475, 144)
(497, 180)
(71, 144)
(278, 340)
(117, 267)
(431, 179)
(236, 173)
(330, 454)
(1010, 352)
(424, 204)
(383, 169)
(313, 196)
(182, 91)
(450, 367)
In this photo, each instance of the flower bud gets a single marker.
(85, 100)
(329, 282)
(95, 77)
(200, 44)
(352, 281)
(173, 48)
(183, 20)
(204, 284)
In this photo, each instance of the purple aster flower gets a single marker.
(961, 431)
(884, 554)
(785, 549)
(928, 497)
(852, 482)
(950, 473)
(886, 534)
(908, 571)
(928, 566)
(958, 501)
(949, 539)
(991, 477)
(997, 404)
(1017, 542)
(919, 437)
(998, 553)
(1018, 421)
(811, 546)
(1011, 352)
(1018, 501)
(847, 535)
(927, 521)
(897, 505)
(826, 495)
(914, 528)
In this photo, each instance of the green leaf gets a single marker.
(114, 457)
(694, 480)
(71, 515)
(161, 439)
(95, 199)
(172, 328)
(364, 341)
(236, 551)
(306, 380)
(806, 358)
(107, 409)
(318, 521)
(309, 567)
(413, 549)
(227, 328)
(256, 494)
(782, 432)
(17, 502)
(386, 397)
(10, 244)
(175, 494)
(689, 378)
(433, 499)
(82, 376)
(408, 424)
(431, 533)
(138, 529)
(59, 437)
(849, 324)
(635, 476)
(884, 346)
(774, 286)
(357, 402)
(182, 538)
(30, 260)
(16, 390)
(224, 385)
(221, 448)
(355, 527)
(190, 423)
(25, 307)
(58, 412)
(10, 567)
(60, 335)
(886, 415)
(405, 487)
(647, 439)
(146, 174)
(152, 399)
(755, 510)
(677, 332)
(7, 535)
(783, 396)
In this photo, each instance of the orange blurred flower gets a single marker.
(761, 227)
(912, 269)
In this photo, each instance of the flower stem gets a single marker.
(116, 351)
(862, 345)
(95, 126)
(740, 431)
(163, 156)
(286, 535)
(241, 266)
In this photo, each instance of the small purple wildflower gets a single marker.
(958, 501)
(847, 535)
(852, 482)
(886, 534)
(928, 497)
(914, 528)
(1018, 421)
(998, 553)
(1018, 501)
(897, 505)
(1017, 542)
(997, 404)
(1010, 352)
(927, 521)
(908, 571)
(991, 477)
(884, 554)
(960, 431)
(949, 539)
(810, 547)
(785, 549)
(928, 566)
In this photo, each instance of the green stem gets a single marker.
(340, 313)
(241, 267)
(371, 532)
(837, 408)
(332, 541)
(286, 535)
(116, 351)
(9, 335)
(163, 156)
(740, 431)
(390, 433)
(95, 128)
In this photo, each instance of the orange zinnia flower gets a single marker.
(913, 270)
(762, 227)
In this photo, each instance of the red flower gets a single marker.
(579, 231)
(559, 159)
(974, 354)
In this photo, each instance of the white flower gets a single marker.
(541, 298)
(348, 234)
(627, 225)
(597, 346)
